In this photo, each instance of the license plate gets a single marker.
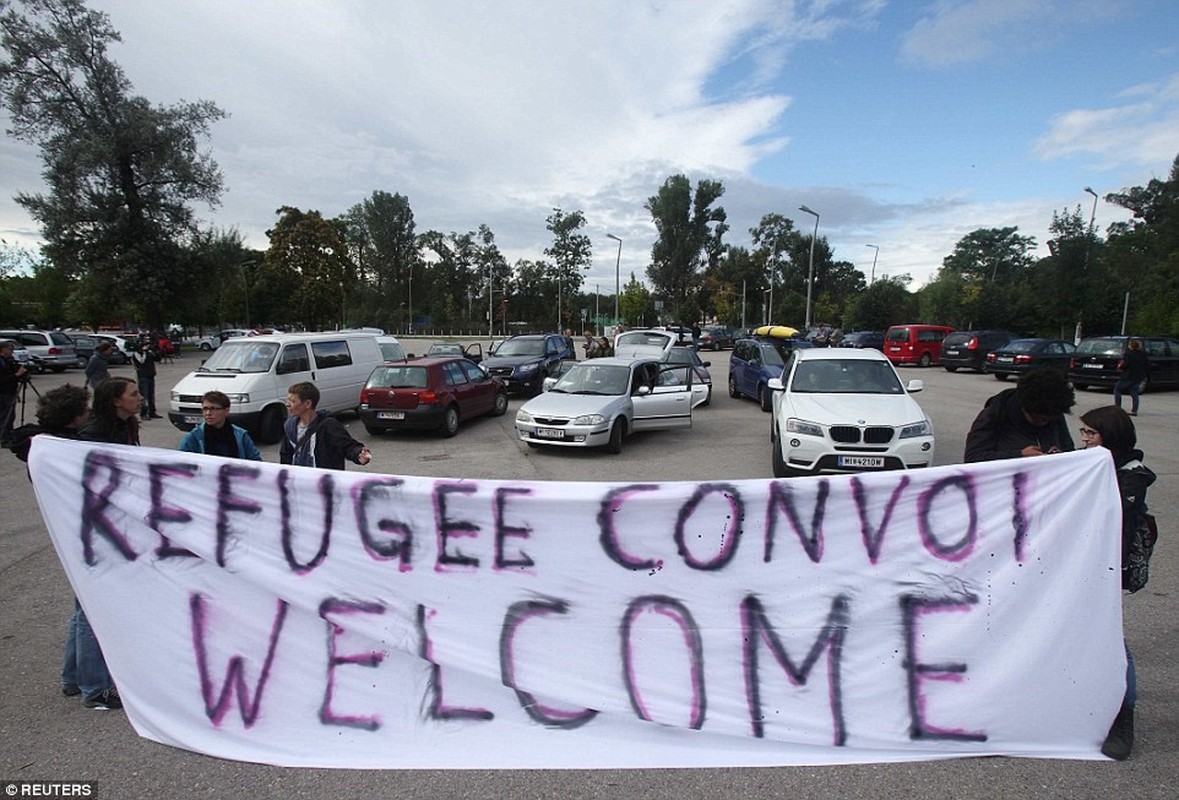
(390, 415)
(192, 419)
(951, 351)
(549, 433)
(1005, 359)
(860, 461)
(1090, 366)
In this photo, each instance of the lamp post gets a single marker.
(617, 283)
(246, 284)
(810, 277)
(1085, 272)
(872, 279)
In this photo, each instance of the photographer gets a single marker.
(145, 357)
(11, 375)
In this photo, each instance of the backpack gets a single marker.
(1137, 552)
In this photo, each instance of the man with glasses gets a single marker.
(1025, 421)
(216, 436)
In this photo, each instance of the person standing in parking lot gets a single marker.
(11, 373)
(97, 368)
(216, 436)
(145, 358)
(1025, 421)
(1134, 367)
(313, 438)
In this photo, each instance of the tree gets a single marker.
(308, 262)
(983, 282)
(635, 303)
(384, 248)
(886, 302)
(690, 236)
(121, 172)
(571, 254)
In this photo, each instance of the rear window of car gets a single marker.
(1100, 347)
(958, 338)
(898, 335)
(60, 338)
(399, 377)
(1021, 346)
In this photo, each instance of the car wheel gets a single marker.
(208, 348)
(501, 405)
(270, 425)
(1144, 387)
(779, 463)
(82, 362)
(1000, 376)
(765, 397)
(708, 398)
(533, 445)
(450, 421)
(925, 361)
(733, 391)
(949, 369)
(617, 432)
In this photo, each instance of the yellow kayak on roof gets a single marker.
(776, 331)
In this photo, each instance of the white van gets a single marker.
(256, 371)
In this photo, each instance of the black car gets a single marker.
(716, 337)
(861, 339)
(1098, 361)
(522, 362)
(1022, 355)
(969, 348)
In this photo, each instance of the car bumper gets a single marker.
(818, 456)
(187, 418)
(564, 435)
(420, 418)
(1092, 378)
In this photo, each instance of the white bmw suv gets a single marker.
(843, 410)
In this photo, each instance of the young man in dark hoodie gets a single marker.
(1027, 420)
(313, 438)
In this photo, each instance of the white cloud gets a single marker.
(1143, 133)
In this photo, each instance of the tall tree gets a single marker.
(121, 172)
(690, 236)
(571, 253)
(384, 249)
(308, 259)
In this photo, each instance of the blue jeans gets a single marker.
(84, 665)
(1132, 388)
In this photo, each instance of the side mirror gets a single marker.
(707, 363)
(915, 385)
(775, 384)
(643, 390)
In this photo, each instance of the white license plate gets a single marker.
(549, 433)
(192, 419)
(390, 415)
(1005, 359)
(1090, 366)
(860, 461)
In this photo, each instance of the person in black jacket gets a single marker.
(1025, 421)
(314, 438)
(1134, 367)
(1110, 427)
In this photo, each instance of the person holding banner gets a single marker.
(1111, 427)
(1027, 420)
(313, 438)
(216, 436)
(114, 418)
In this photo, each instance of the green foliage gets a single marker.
(635, 305)
(571, 253)
(690, 236)
(308, 258)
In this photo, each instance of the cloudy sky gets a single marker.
(904, 124)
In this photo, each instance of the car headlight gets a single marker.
(922, 428)
(239, 398)
(589, 419)
(175, 397)
(523, 417)
(527, 367)
(794, 425)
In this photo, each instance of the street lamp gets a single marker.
(617, 284)
(810, 277)
(872, 279)
(246, 284)
(1085, 274)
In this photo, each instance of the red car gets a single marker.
(433, 393)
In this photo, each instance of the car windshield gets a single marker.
(391, 351)
(242, 356)
(1100, 347)
(444, 349)
(845, 376)
(399, 377)
(681, 355)
(594, 379)
(648, 338)
(521, 347)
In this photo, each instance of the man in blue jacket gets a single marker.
(216, 436)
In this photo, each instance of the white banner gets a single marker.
(301, 617)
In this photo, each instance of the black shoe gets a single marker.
(156, 416)
(70, 690)
(106, 700)
(1120, 740)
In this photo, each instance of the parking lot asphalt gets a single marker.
(46, 736)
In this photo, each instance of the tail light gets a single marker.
(55, 351)
(1121, 364)
(973, 343)
(991, 357)
(364, 395)
(1072, 363)
(428, 397)
(1023, 359)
